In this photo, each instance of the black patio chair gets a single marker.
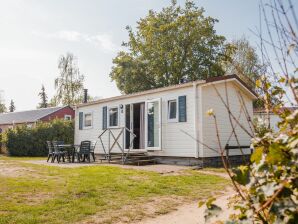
(57, 152)
(51, 151)
(84, 151)
(92, 148)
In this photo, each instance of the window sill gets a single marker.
(172, 120)
(87, 128)
(113, 127)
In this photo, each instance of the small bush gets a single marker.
(26, 141)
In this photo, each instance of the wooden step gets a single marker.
(141, 162)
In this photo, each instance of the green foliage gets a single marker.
(12, 107)
(43, 97)
(241, 174)
(26, 141)
(167, 46)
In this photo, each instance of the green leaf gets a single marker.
(276, 154)
(210, 201)
(257, 155)
(241, 175)
(201, 203)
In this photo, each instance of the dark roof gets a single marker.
(225, 77)
(27, 116)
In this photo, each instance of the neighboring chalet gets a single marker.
(270, 118)
(30, 117)
(170, 123)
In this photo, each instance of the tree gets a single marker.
(244, 61)
(69, 85)
(2, 103)
(43, 97)
(176, 43)
(12, 107)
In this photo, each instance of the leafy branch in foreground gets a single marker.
(267, 187)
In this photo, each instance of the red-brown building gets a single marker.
(30, 117)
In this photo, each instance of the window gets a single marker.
(113, 117)
(67, 117)
(87, 120)
(172, 110)
(29, 125)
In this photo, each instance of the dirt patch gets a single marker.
(34, 199)
(13, 170)
(220, 174)
(190, 213)
(158, 168)
(134, 213)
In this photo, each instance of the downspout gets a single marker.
(196, 120)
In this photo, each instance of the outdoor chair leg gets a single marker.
(93, 156)
(58, 159)
(53, 158)
(88, 157)
(79, 158)
(49, 156)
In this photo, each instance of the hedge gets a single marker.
(31, 141)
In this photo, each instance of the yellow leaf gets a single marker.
(258, 83)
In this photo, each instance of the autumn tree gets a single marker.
(43, 98)
(69, 84)
(176, 43)
(12, 107)
(244, 61)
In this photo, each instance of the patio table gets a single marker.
(70, 149)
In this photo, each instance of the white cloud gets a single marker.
(103, 41)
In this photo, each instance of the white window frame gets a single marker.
(84, 115)
(108, 117)
(67, 116)
(168, 110)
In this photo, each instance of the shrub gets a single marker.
(26, 141)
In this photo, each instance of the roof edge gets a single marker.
(141, 93)
(233, 76)
(162, 89)
(58, 108)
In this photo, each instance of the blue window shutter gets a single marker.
(80, 120)
(182, 108)
(104, 118)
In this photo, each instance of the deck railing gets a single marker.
(116, 137)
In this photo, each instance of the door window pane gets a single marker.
(113, 117)
(153, 124)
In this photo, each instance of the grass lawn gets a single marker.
(32, 193)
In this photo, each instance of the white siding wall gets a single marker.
(210, 99)
(174, 141)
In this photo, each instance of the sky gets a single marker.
(35, 33)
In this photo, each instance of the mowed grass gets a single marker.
(47, 194)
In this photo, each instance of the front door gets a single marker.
(153, 124)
